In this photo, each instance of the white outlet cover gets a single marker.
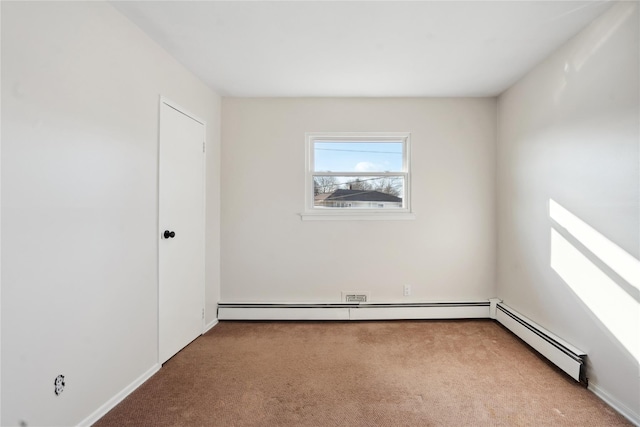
(59, 385)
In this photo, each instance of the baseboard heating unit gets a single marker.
(562, 354)
(354, 311)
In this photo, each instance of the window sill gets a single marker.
(357, 216)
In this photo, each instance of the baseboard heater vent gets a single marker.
(562, 354)
(353, 311)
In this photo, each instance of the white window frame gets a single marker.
(313, 213)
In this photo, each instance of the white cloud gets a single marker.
(366, 167)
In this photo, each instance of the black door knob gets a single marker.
(169, 234)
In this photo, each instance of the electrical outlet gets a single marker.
(407, 290)
(59, 385)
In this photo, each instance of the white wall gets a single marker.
(80, 93)
(569, 132)
(270, 254)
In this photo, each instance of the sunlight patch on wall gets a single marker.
(611, 254)
(616, 308)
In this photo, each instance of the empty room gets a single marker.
(320, 213)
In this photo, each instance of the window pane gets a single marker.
(332, 156)
(386, 192)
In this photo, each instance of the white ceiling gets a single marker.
(360, 48)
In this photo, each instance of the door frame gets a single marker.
(180, 109)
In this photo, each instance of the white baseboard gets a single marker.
(283, 313)
(353, 311)
(209, 326)
(409, 312)
(111, 403)
(623, 409)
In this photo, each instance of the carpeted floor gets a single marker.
(397, 373)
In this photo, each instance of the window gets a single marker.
(357, 176)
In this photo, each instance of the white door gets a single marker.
(181, 221)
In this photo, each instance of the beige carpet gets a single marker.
(397, 373)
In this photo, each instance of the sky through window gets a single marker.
(358, 156)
